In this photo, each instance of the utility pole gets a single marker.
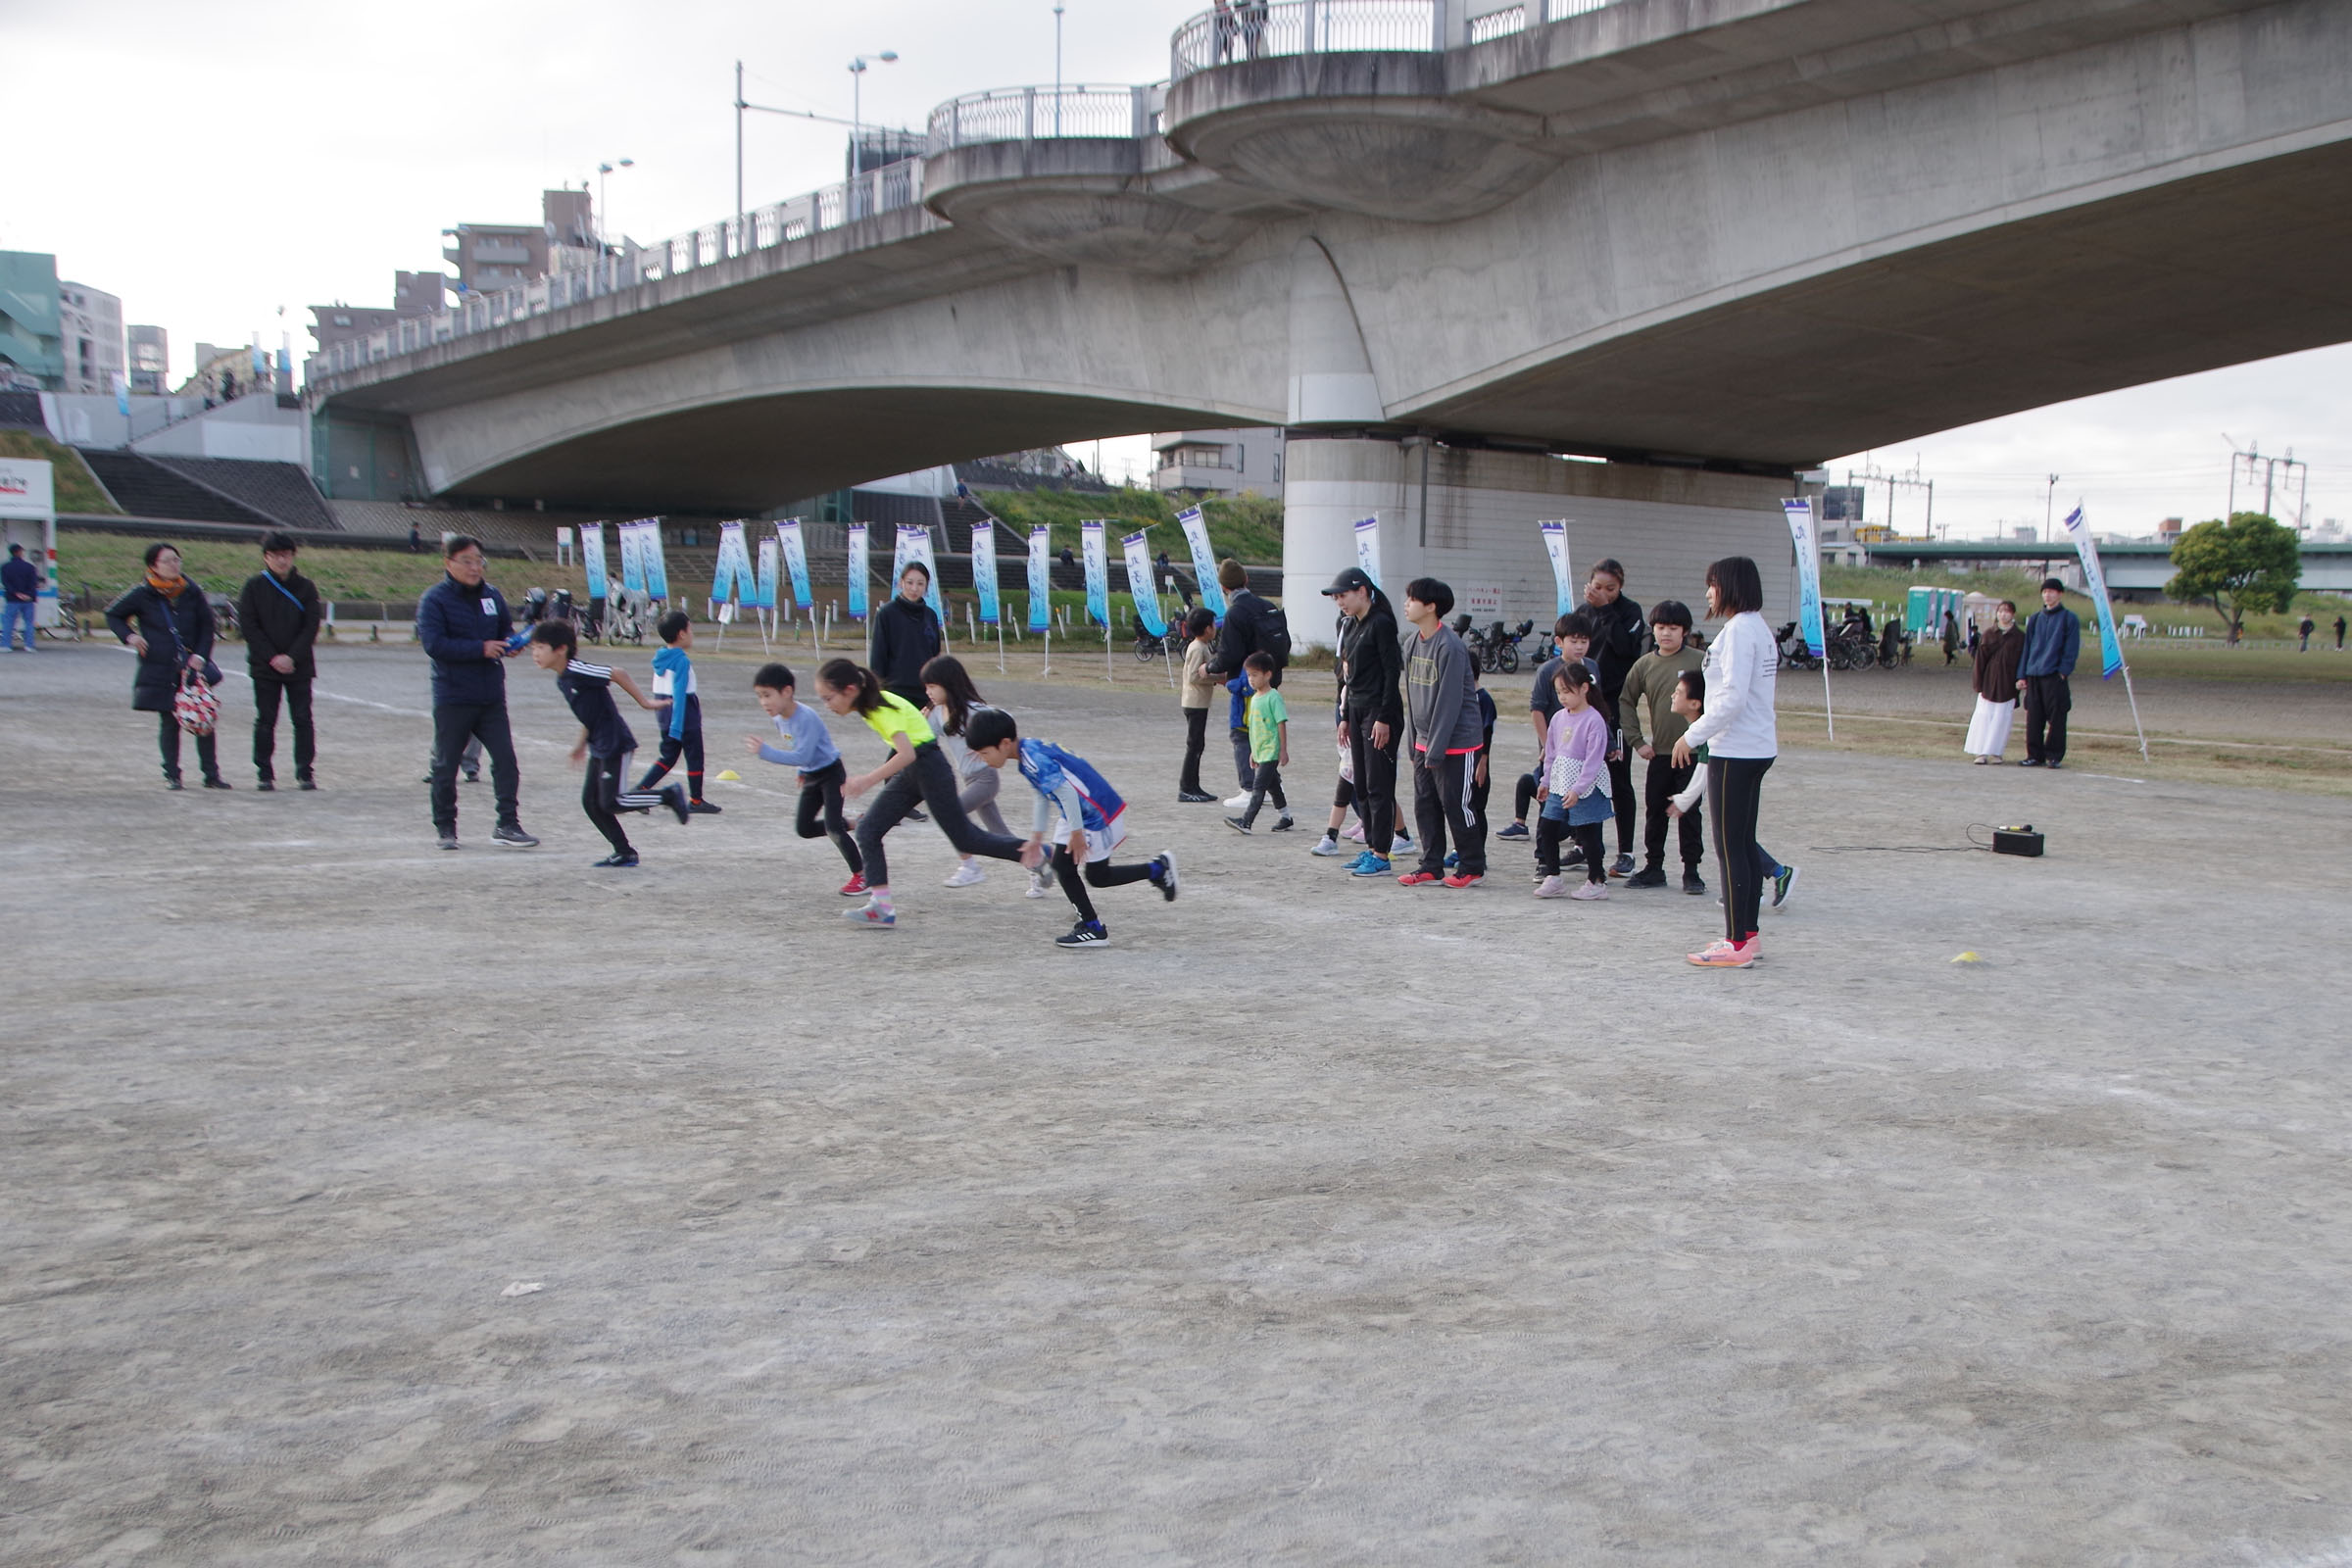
(2252, 456)
(1057, 67)
(740, 107)
(2048, 499)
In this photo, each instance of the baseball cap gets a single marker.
(1353, 577)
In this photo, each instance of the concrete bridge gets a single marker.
(1711, 241)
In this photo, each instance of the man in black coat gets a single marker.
(1617, 633)
(1371, 708)
(1243, 633)
(906, 636)
(279, 612)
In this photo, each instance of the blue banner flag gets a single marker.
(1041, 578)
(1140, 586)
(1367, 548)
(733, 577)
(764, 594)
(632, 557)
(1204, 560)
(796, 561)
(984, 569)
(2094, 583)
(1555, 546)
(657, 572)
(1807, 540)
(1094, 550)
(859, 566)
(592, 559)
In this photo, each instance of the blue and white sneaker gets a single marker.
(866, 914)
(1329, 845)
(1516, 830)
(1452, 859)
(1085, 934)
(1165, 880)
(1370, 865)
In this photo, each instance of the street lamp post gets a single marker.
(857, 109)
(2049, 501)
(1057, 67)
(601, 171)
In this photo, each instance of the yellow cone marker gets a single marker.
(1964, 958)
(730, 776)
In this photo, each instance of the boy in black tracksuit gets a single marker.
(606, 744)
(278, 613)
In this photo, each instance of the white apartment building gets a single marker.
(90, 323)
(1218, 463)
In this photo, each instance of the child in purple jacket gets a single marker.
(1574, 786)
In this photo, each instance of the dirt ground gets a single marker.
(368, 1205)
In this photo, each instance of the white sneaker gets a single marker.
(966, 873)
(1041, 882)
(1327, 845)
(1590, 890)
(1402, 844)
(1238, 801)
(1551, 887)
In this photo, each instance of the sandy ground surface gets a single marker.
(1313, 1222)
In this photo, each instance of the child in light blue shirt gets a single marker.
(808, 746)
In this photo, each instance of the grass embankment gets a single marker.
(111, 563)
(77, 489)
(1889, 588)
(1247, 527)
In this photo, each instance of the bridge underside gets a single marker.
(2195, 275)
(756, 453)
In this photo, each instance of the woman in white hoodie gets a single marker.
(1741, 739)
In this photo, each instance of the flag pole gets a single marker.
(1826, 711)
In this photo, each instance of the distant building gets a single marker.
(90, 323)
(150, 359)
(491, 257)
(31, 351)
(413, 294)
(1218, 463)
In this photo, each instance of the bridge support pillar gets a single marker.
(1468, 517)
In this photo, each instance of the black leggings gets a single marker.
(1099, 873)
(1549, 831)
(1195, 741)
(821, 797)
(691, 744)
(604, 799)
(1523, 796)
(167, 740)
(1735, 790)
(931, 780)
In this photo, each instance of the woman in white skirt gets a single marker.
(1996, 659)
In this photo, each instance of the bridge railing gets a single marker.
(876, 191)
(1034, 114)
(1266, 29)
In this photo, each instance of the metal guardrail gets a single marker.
(879, 190)
(1264, 29)
(1035, 114)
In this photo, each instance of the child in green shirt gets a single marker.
(1269, 724)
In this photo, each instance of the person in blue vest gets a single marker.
(1081, 812)
(2053, 642)
(467, 629)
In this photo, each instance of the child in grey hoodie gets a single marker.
(1442, 724)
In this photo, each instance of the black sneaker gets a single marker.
(914, 816)
(702, 807)
(674, 797)
(2054, 766)
(1166, 880)
(510, 836)
(473, 775)
(1239, 826)
(449, 840)
(1624, 865)
(1693, 883)
(1284, 824)
(1195, 798)
(173, 784)
(217, 782)
(621, 857)
(1085, 934)
(1649, 876)
(265, 786)
(306, 783)
(1517, 830)
(2031, 762)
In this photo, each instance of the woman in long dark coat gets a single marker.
(168, 621)
(1995, 681)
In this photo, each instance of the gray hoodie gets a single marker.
(1441, 686)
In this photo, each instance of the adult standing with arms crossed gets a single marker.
(20, 588)
(907, 637)
(1616, 644)
(278, 609)
(2053, 642)
(465, 625)
(167, 621)
(1371, 708)
(1740, 738)
(1252, 626)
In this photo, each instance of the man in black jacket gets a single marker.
(1371, 708)
(464, 624)
(1243, 632)
(906, 636)
(278, 609)
(1617, 631)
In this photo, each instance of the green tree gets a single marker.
(2249, 564)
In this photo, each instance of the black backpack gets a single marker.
(1274, 634)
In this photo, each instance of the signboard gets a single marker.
(1807, 540)
(1367, 549)
(1041, 578)
(984, 571)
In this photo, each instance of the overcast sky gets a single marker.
(211, 160)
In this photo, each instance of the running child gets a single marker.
(1269, 721)
(1082, 814)
(916, 769)
(1690, 701)
(953, 700)
(682, 725)
(1575, 785)
(606, 744)
(808, 746)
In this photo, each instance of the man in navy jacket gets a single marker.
(2053, 642)
(464, 624)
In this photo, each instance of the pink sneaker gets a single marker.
(1724, 953)
(1354, 834)
(1590, 890)
(1551, 887)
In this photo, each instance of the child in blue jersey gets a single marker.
(683, 724)
(808, 746)
(1083, 814)
(606, 744)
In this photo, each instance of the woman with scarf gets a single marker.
(167, 621)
